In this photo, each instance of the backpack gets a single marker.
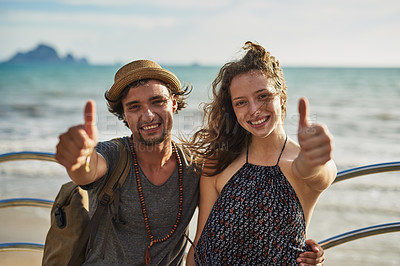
(70, 227)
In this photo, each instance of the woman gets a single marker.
(258, 187)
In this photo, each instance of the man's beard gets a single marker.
(152, 142)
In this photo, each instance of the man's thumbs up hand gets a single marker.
(77, 144)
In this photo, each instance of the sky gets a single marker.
(362, 33)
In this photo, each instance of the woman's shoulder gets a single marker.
(222, 178)
(291, 151)
(288, 156)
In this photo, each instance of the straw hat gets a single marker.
(137, 70)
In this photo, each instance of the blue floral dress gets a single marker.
(256, 220)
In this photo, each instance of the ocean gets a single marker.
(360, 106)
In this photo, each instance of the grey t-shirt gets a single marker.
(126, 243)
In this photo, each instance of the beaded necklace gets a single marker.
(143, 205)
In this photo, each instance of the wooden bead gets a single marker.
(143, 205)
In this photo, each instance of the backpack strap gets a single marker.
(106, 197)
(119, 174)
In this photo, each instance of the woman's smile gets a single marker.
(259, 122)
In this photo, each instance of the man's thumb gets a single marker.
(90, 120)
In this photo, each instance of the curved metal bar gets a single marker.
(21, 245)
(27, 155)
(366, 170)
(325, 244)
(360, 233)
(26, 202)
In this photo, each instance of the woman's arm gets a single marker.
(314, 162)
(208, 196)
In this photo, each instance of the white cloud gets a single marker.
(178, 31)
(89, 19)
(176, 4)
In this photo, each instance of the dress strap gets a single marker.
(282, 150)
(247, 152)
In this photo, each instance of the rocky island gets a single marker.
(44, 54)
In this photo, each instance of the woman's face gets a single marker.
(256, 103)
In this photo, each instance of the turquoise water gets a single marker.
(361, 107)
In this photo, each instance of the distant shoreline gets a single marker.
(47, 55)
(25, 64)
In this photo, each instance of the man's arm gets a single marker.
(314, 255)
(76, 150)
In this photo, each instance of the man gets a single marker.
(160, 194)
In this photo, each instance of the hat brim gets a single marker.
(139, 74)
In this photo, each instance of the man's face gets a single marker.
(148, 110)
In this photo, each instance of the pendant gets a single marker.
(147, 258)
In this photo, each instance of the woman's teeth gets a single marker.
(259, 121)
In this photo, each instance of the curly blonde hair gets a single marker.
(221, 139)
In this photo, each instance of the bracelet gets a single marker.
(87, 164)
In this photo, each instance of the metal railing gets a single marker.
(367, 170)
(26, 202)
(326, 244)
(370, 230)
(360, 233)
(27, 155)
(21, 246)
